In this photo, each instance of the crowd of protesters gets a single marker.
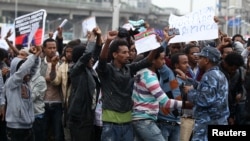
(102, 90)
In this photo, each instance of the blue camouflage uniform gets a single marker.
(210, 99)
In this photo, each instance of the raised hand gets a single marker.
(112, 35)
(216, 19)
(224, 42)
(36, 50)
(54, 60)
(181, 74)
(60, 30)
(9, 33)
(50, 34)
(5, 71)
(167, 37)
(97, 31)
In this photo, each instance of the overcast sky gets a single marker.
(184, 5)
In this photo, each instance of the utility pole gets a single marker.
(116, 12)
(16, 8)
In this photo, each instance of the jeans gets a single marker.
(169, 132)
(147, 130)
(53, 119)
(240, 114)
(39, 129)
(117, 132)
(19, 134)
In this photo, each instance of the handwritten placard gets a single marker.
(198, 25)
(146, 41)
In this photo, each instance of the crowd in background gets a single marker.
(102, 90)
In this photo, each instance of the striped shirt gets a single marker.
(148, 96)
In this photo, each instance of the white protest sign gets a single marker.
(61, 25)
(88, 25)
(26, 30)
(198, 25)
(5, 29)
(32, 33)
(146, 41)
(3, 44)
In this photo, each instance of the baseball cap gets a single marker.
(212, 53)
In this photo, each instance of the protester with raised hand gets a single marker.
(38, 88)
(83, 100)
(17, 98)
(116, 79)
(53, 98)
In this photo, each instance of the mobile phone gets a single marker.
(173, 31)
(248, 42)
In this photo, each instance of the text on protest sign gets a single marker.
(198, 25)
(26, 24)
(146, 41)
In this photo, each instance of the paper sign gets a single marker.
(136, 23)
(198, 25)
(26, 25)
(61, 25)
(128, 26)
(146, 41)
(5, 29)
(88, 25)
(3, 44)
(32, 33)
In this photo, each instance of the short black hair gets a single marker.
(3, 54)
(175, 58)
(114, 46)
(228, 46)
(179, 44)
(48, 40)
(234, 59)
(238, 35)
(188, 48)
(125, 34)
(73, 43)
(159, 51)
(78, 52)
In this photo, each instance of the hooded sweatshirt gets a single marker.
(38, 88)
(20, 110)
